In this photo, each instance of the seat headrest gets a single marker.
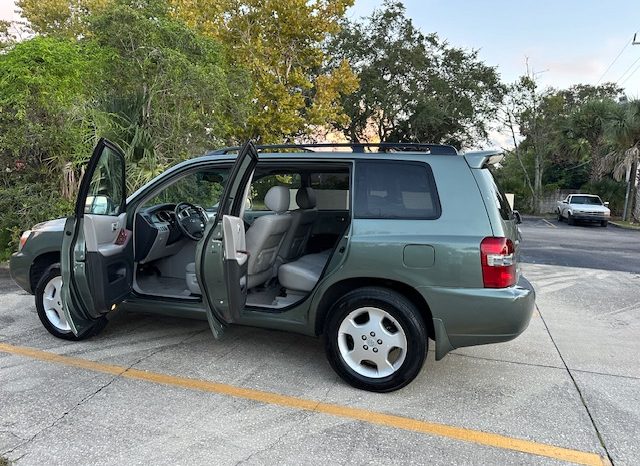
(277, 199)
(306, 198)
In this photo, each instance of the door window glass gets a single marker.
(399, 190)
(107, 187)
(331, 190)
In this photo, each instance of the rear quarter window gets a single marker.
(499, 197)
(395, 190)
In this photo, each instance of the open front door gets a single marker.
(97, 252)
(221, 258)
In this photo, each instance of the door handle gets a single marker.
(115, 226)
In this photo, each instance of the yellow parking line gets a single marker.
(372, 417)
(549, 223)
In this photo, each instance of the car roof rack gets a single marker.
(356, 147)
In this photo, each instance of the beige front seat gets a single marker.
(302, 221)
(264, 237)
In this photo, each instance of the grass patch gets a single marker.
(4, 461)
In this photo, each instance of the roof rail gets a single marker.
(356, 147)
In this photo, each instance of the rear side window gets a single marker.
(400, 190)
(331, 189)
(500, 198)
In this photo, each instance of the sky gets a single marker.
(565, 41)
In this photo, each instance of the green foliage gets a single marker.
(280, 43)
(413, 87)
(564, 133)
(137, 76)
(67, 18)
(24, 205)
(167, 90)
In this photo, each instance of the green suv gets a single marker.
(377, 247)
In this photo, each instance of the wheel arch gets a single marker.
(40, 264)
(338, 289)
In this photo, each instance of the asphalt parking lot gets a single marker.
(160, 390)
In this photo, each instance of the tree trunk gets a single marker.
(537, 182)
(634, 202)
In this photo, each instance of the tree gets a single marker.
(586, 134)
(413, 87)
(280, 42)
(59, 17)
(624, 130)
(166, 92)
(558, 131)
(42, 95)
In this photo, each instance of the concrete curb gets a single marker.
(624, 227)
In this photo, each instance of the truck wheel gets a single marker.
(559, 217)
(604, 223)
(49, 307)
(571, 220)
(375, 339)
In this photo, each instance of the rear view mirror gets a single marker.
(517, 216)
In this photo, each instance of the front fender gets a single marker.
(40, 242)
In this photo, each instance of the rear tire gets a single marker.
(49, 307)
(375, 339)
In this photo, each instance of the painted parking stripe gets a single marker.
(549, 223)
(372, 417)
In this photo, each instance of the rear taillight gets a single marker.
(498, 262)
(23, 239)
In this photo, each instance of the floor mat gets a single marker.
(163, 286)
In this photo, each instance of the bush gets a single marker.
(22, 206)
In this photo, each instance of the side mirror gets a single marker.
(606, 204)
(517, 216)
(565, 202)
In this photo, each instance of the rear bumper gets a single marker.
(19, 266)
(478, 316)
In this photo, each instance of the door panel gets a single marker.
(97, 251)
(221, 259)
(329, 225)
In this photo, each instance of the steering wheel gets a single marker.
(191, 220)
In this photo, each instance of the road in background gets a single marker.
(547, 241)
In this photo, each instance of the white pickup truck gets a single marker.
(583, 207)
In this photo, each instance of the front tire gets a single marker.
(375, 339)
(604, 223)
(571, 220)
(559, 216)
(49, 307)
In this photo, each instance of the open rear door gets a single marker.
(221, 258)
(97, 252)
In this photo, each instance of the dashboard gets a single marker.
(156, 233)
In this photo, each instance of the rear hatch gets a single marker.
(501, 216)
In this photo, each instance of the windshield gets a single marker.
(589, 200)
